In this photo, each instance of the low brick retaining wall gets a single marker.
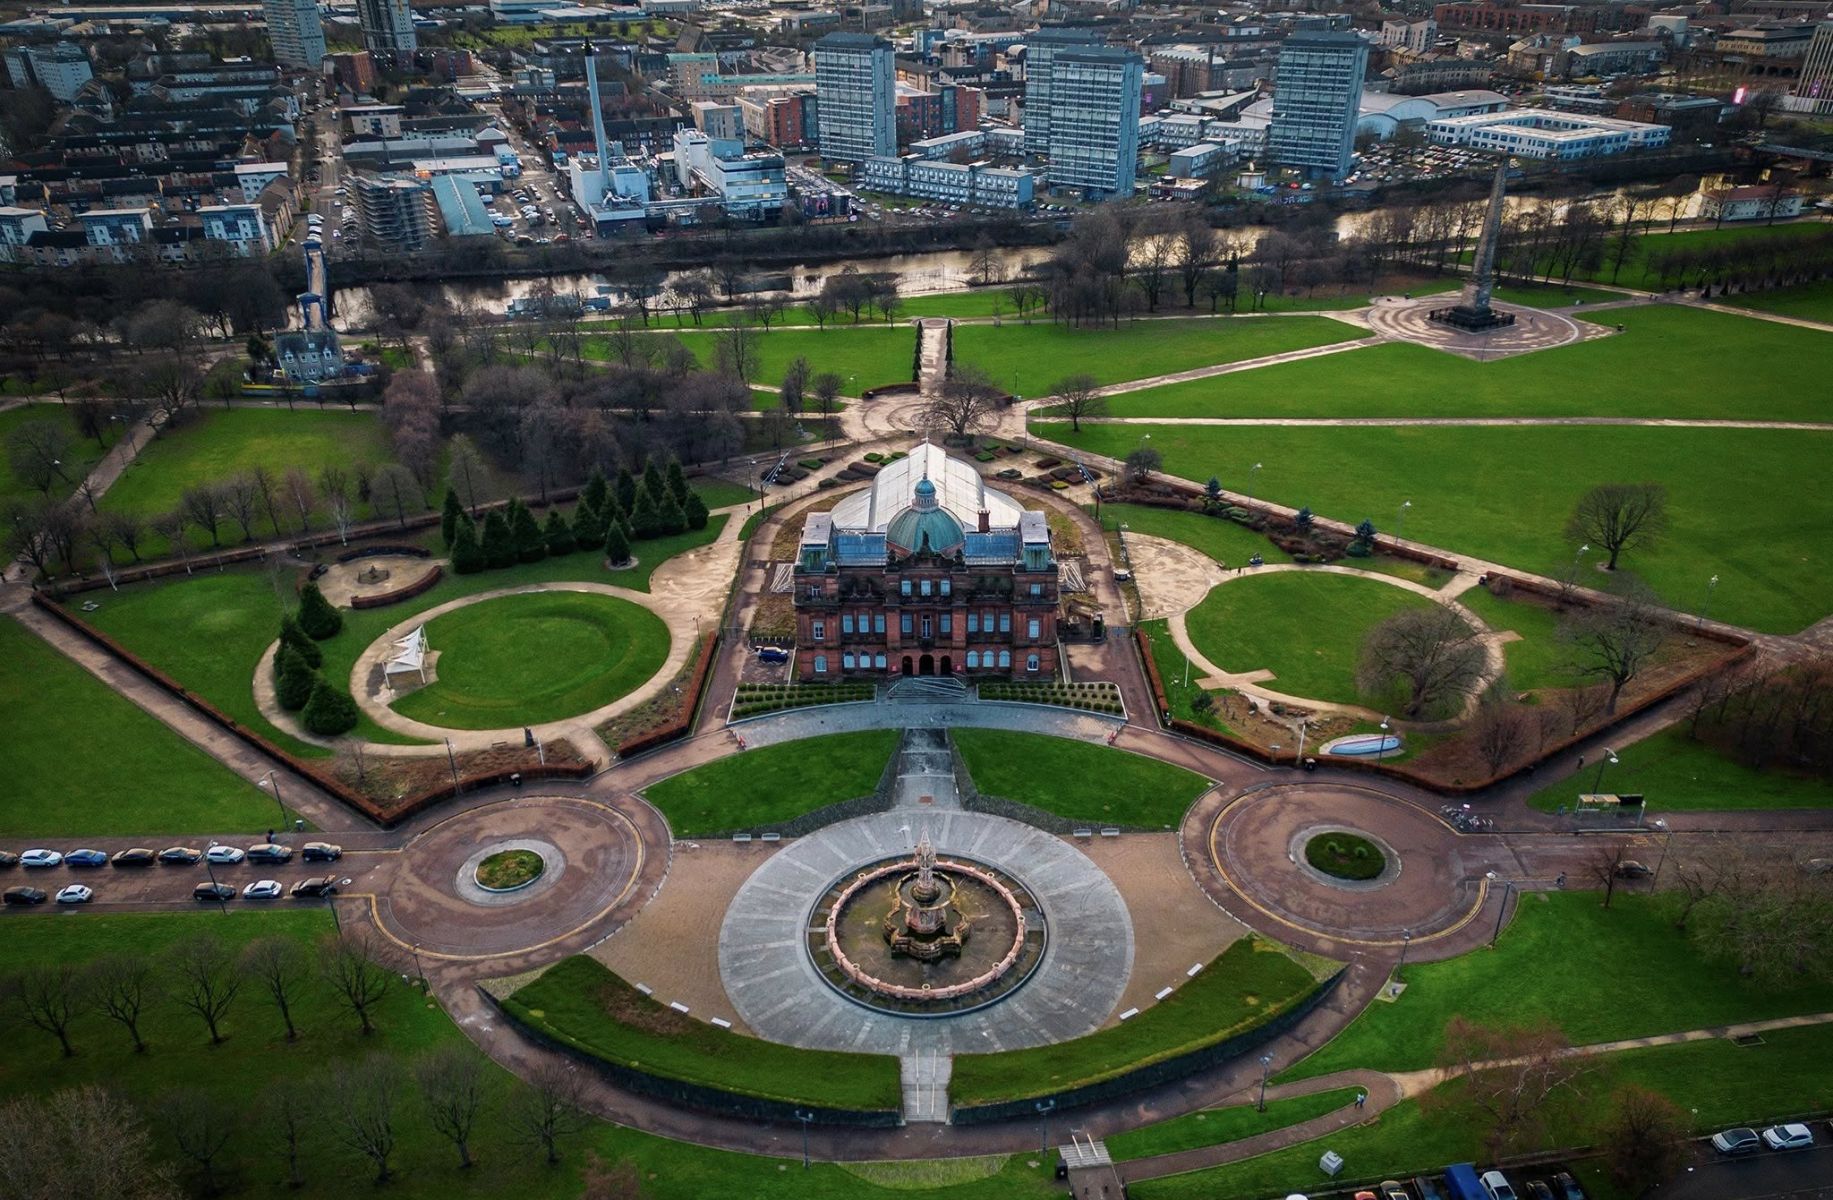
(425, 583)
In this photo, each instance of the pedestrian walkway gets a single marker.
(1451, 422)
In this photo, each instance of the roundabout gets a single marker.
(510, 870)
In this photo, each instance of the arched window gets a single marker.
(820, 664)
(1005, 659)
(973, 660)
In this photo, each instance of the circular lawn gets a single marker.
(1345, 856)
(507, 870)
(1307, 627)
(537, 657)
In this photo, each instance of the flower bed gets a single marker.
(1089, 697)
(1345, 856)
(507, 870)
(756, 699)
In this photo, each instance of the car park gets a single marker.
(23, 896)
(270, 852)
(1736, 1141)
(76, 893)
(180, 856)
(225, 855)
(321, 852)
(86, 858)
(262, 889)
(41, 858)
(1788, 1137)
(212, 893)
(139, 856)
(319, 885)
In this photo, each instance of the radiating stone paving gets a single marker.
(776, 989)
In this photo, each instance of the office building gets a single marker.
(1041, 49)
(388, 27)
(1415, 36)
(975, 183)
(1547, 133)
(297, 33)
(62, 68)
(856, 91)
(1813, 90)
(1317, 95)
(1094, 121)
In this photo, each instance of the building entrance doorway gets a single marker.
(907, 665)
(926, 665)
(948, 665)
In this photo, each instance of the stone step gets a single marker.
(925, 1076)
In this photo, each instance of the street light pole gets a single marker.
(273, 785)
(1711, 586)
(1401, 524)
(1044, 1109)
(1406, 942)
(1300, 761)
(1508, 887)
(1609, 760)
(805, 1116)
(1381, 751)
(1662, 825)
(1266, 1064)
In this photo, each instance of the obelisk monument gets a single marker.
(1472, 312)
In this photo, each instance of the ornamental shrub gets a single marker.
(617, 546)
(330, 711)
(294, 679)
(292, 635)
(316, 616)
(558, 535)
(467, 555)
(499, 544)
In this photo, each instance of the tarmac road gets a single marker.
(1766, 1175)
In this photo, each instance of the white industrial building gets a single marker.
(1545, 133)
(978, 183)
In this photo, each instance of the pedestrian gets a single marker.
(1561, 881)
(270, 835)
(1361, 1099)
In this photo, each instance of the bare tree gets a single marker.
(451, 1082)
(984, 263)
(964, 403)
(1642, 1138)
(364, 1117)
(549, 1107)
(205, 979)
(41, 454)
(1500, 731)
(540, 444)
(290, 1109)
(735, 351)
(278, 964)
(826, 388)
(301, 496)
(465, 470)
(396, 491)
(1521, 1080)
(201, 1125)
(1080, 396)
(122, 985)
(204, 505)
(1770, 919)
(49, 996)
(1431, 655)
(174, 526)
(347, 963)
(242, 500)
(1605, 866)
(1619, 517)
(1194, 253)
(1615, 640)
(1141, 463)
(81, 1141)
(267, 488)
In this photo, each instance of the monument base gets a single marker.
(1471, 319)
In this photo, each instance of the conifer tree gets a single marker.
(530, 546)
(617, 546)
(498, 542)
(316, 616)
(330, 711)
(558, 534)
(292, 635)
(294, 679)
(448, 517)
(625, 490)
(467, 555)
(695, 509)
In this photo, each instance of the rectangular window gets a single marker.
(1031, 629)
(927, 631)
(846, 622)
(948, 623)
(945, 587)
(817, 630)
(973, 622)
(904, 587)
(878, 622)
(820, 664)
(1005, 622)
(925, 587)
(1037, 589)
(904, 623)
(878, 660)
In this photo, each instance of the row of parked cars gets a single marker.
(183, 856)
(1461, 1182)
(1740, 1141)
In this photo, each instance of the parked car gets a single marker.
(1629, 868)
(262, 889)
(23, 896)
(139, 856)
(212, 893)
(1497, 1187)
(225, 855)
(1427, 1188)
(41, 858)
(318, 885)
(76, 893)
(1537, 1190)
(180, 856)
(321, 852)
(1567, 1187)
(8, 859)
(1788, 1137)
(1736, 1141)
(86, 858)
(1393, 1189)
(270, 852)
(772, 654)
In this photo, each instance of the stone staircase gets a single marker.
(934, 355)
(925, 1076)
(927, 688)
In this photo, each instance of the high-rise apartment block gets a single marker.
(388, 26)
(1041, 50)
(1094, 121)
(1316, 95)
(297, 32)
(856, 91)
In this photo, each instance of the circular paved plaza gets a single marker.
(1410, 321)
(774, 985)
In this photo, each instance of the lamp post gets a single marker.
(222, 901)
(1582, 551)
(1406, 942)
(1300, 760)
(1711, 586)
(1400, 523)
(1668, 837)
(1252, 479)
(1044, 1109)
(419, 971)
(805, 1115)
(452, 761)
(1609, 760)
(273, 785)
(1508, 887)
(1381, 752)
(1266, 1064)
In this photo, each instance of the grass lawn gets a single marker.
(1173, 668)
(1306, 628)
(215, 444)
(579, 1002)
(1672, 362)
(1601, 975)
(84, 451)
(863, 356)
(209, 630)
(255, 1057)
(717, 493)
(1221, 539)
(1538, 659)
(1078, 780)
(1246, 985)
(1505, 494)
(525, 660)
(1678, 774)
(1715, 1083)
(1033, 359)
(1637, 273)
(1809, 301)
(1214, 1126)
(774, 784)
(146, 780)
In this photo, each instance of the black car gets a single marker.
(1566, 1187)
(23, 895)
(181, 856)
(139, 856)
(1536, 1190)
(8, 859)
(321, 885)
(212, 893)
(270, 852)
(321, 852)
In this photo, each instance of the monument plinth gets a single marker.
(1472, 312)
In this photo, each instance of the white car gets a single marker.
(41, 858)
(225, 855)
(76, 893)
(1496, 1184)
(262, 889)
(1777, 1137)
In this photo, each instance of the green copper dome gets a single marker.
(909, 528)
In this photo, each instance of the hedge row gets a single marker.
(683, 722)
(425, 583)
(756, 699)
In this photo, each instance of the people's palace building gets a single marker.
(927, 572)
